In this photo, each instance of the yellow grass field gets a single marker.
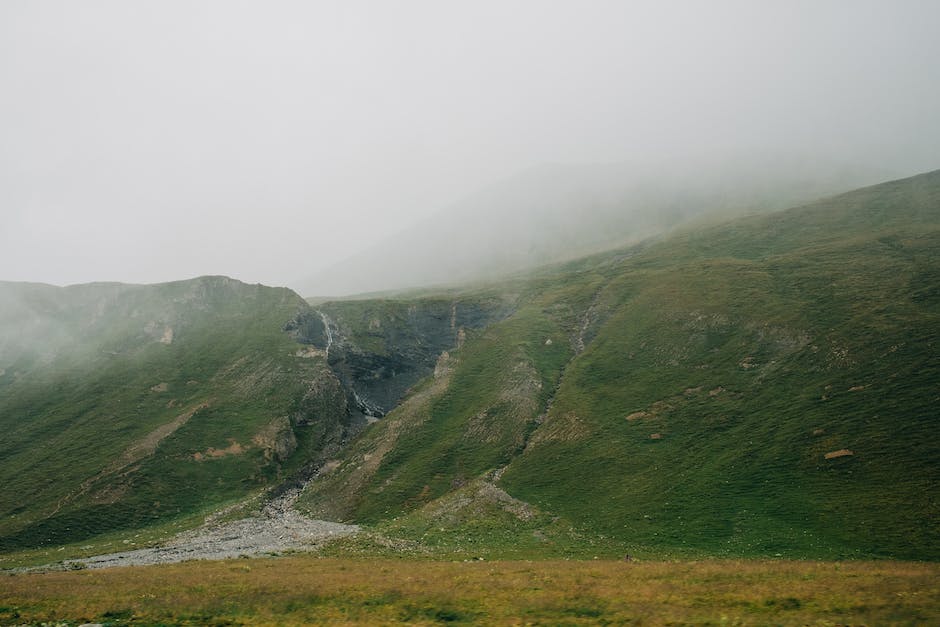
(310, 590)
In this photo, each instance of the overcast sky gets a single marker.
(151, 141)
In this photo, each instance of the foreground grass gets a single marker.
(310, 590)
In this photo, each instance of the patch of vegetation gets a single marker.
(733, 361)
(310, 590)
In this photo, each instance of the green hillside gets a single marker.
(764, 386)
(758, 387)
(123, 406)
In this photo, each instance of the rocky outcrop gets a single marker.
(380, 348)
(308, 327)
(277, 439)
(324, 400)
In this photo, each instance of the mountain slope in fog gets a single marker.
(123, 406)
(129, 407)
(759, 386)
(762, 386)
(557, 212)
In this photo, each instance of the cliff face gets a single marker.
(381, 348)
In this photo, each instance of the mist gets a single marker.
(559, 212)
(147, 142)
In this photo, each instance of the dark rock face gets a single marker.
(307, 328)
(382, 348)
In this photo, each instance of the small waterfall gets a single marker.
(367, 408)
(329, 332)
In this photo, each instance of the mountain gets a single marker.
(133, 406)
(759, 386)
(559, 212)
(762, 386)
(123, 406)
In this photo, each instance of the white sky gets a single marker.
(151, 141)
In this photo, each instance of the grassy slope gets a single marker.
(751, 348)
(754, 349)
(454, 427)
(75, 460)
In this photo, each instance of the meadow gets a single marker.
(315, 590)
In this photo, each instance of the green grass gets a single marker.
(792, 336)
(307, 590)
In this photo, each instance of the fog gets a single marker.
(269, 141)
(558, 212)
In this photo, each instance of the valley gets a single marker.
(763, 389)
(478, 313)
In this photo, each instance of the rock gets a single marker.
(444, 365)
(412, 338)
(277, 439)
